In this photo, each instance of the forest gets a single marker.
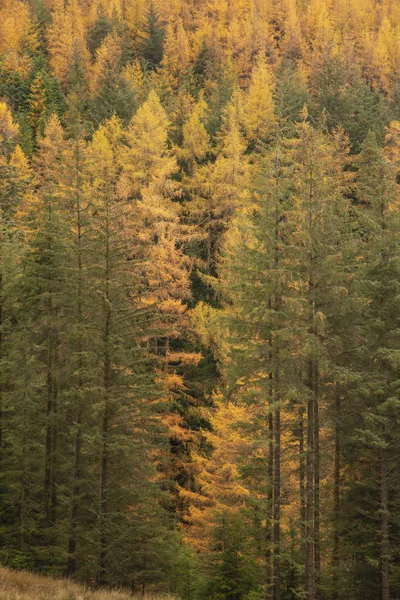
(200, 296)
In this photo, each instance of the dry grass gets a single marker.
(21, 585)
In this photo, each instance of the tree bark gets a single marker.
(336, 501)
(302, 472)
(384, 527)
(277, 504)
(310, 488)
(72, 542)
(1, 366)
(77, 475)
(317, 558)
(50, 495)
(268, 525)
(103, 507)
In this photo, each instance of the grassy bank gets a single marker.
(21, 585)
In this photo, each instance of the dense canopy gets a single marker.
(200, 295)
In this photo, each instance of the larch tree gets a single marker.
(259, 104)
(217, 189)
(129, 388)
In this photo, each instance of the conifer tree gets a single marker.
(151, 48)
(218, 189)
(37, 104)
(259, 105)
(8, 206)
(377, 276)
(79, 396)
(128, 392)
(44, 276)
(319, 222)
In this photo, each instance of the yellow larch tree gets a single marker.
(392, 145)
(146, 179)
(177, 49)
(292, 36)
(132, 76)
(8, 129)
(221, 490)
(196, 141)
(23, 172)
(319, 32)
(16, 36)
(259, 104)
(108, 57)
(37, 103)
(385, 55)
(66, 37)
(48, 163)
(218, 189)
(260, 17)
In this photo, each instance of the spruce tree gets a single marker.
(151, 47)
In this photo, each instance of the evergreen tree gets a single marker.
(151, 48)
(375, 433)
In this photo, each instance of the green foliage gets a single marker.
(151, 47)
(231, 567)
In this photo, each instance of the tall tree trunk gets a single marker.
(277, 504)
(384, 526)
(50, 437)
(24, 482)
(54, 440)
(310, 487)
(336, 501)
(103, 507)
(1, 360)
(317, 559)
(302, 472)
(268, 525)
(77, 475)
(277, 419)
(76, 486)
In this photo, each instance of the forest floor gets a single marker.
(21, 585)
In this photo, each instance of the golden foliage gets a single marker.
(8, 129)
